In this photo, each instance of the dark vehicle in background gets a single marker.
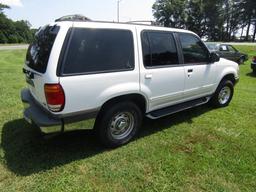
(227, 51)
(253, 65)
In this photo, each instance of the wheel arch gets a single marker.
(229, 76)
(139, 99)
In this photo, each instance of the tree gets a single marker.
(248, 13)
(195, 17)
(170, 13)
(14, 32)
(218, 20)
(2, 7)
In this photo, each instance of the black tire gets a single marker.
(219, 99)
(110, 120)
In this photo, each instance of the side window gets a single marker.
(99, 50)
(193, 49)
(223, 48)
(231, 49)
(159, 49)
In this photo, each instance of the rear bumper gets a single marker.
(50, 123)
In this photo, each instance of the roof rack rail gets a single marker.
(73, 18)
(154, 23)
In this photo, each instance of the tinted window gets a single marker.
(99, 50)
(159, 49)
(232, 49)
(39, 51)
(212, 47)
(223, 48)
(193, 49)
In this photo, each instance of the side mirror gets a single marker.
(214, 57)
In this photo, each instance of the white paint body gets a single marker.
(161, 87)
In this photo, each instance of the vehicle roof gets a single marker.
(122, 25)
(216, 43)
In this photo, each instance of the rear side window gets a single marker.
(159, 49)
(39, 51)
(99, 50)
(223, 48)
(193, 49)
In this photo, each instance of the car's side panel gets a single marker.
(90, 91)
(225, 67)
(199, 79)
(162, 85)
(199, 72)
(39, 80)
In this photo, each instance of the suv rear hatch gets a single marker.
(37, 61)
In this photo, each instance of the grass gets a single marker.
(201, 149)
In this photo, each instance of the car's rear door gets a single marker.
(98, 64)
(161, 75)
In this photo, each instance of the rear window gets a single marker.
(39, 51)
(99, 50)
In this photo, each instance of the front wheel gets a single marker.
(118, 124)
(223, 94)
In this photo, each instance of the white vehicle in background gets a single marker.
(117, 73)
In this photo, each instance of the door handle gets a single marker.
(148, 76)
(190, 70)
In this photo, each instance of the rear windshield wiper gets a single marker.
(29, 74)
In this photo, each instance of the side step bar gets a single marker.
(176, 108)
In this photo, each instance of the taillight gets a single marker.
(55, 97)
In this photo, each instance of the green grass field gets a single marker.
(201, 149)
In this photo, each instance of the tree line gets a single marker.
(216, 20)
(14, 31)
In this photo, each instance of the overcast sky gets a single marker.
(41, 12)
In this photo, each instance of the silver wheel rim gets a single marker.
(224, 95)
(121, 125)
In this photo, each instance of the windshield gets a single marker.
(212, 47)
(39, 51)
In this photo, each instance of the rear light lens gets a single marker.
(55, 97)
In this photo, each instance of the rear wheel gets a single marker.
(223, 94)
(118, 124)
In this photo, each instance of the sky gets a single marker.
(42, 12)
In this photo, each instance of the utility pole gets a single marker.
(118, 6)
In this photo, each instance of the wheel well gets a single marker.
(242, 56)
(138, 99)
(230, 77)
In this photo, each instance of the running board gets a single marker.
(176, 108)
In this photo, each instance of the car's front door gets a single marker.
(161, 75)
(199, 73)
(234, 54)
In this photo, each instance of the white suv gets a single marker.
(117, 73)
